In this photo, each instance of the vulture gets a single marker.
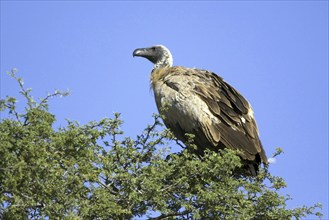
(201, 103)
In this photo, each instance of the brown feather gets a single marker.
(223, 119)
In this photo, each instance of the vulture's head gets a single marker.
(159, 55)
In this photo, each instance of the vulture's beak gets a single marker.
(149, 53)
(140, 52)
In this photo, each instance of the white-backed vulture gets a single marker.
(201, 103)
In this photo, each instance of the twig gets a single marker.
(163, 216)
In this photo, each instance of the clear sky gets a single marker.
(274, 52)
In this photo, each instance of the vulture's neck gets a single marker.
(160, 66)
(165, 61)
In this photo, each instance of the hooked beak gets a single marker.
(140, 52)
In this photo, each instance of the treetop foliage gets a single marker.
(92, 172)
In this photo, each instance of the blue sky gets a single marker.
(274, 52)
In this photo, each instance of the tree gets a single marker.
(91, 172)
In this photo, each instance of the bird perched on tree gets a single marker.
(201, 103)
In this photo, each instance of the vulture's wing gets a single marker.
(235, 128)
(238, 127)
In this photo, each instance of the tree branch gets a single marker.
(163, 216)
